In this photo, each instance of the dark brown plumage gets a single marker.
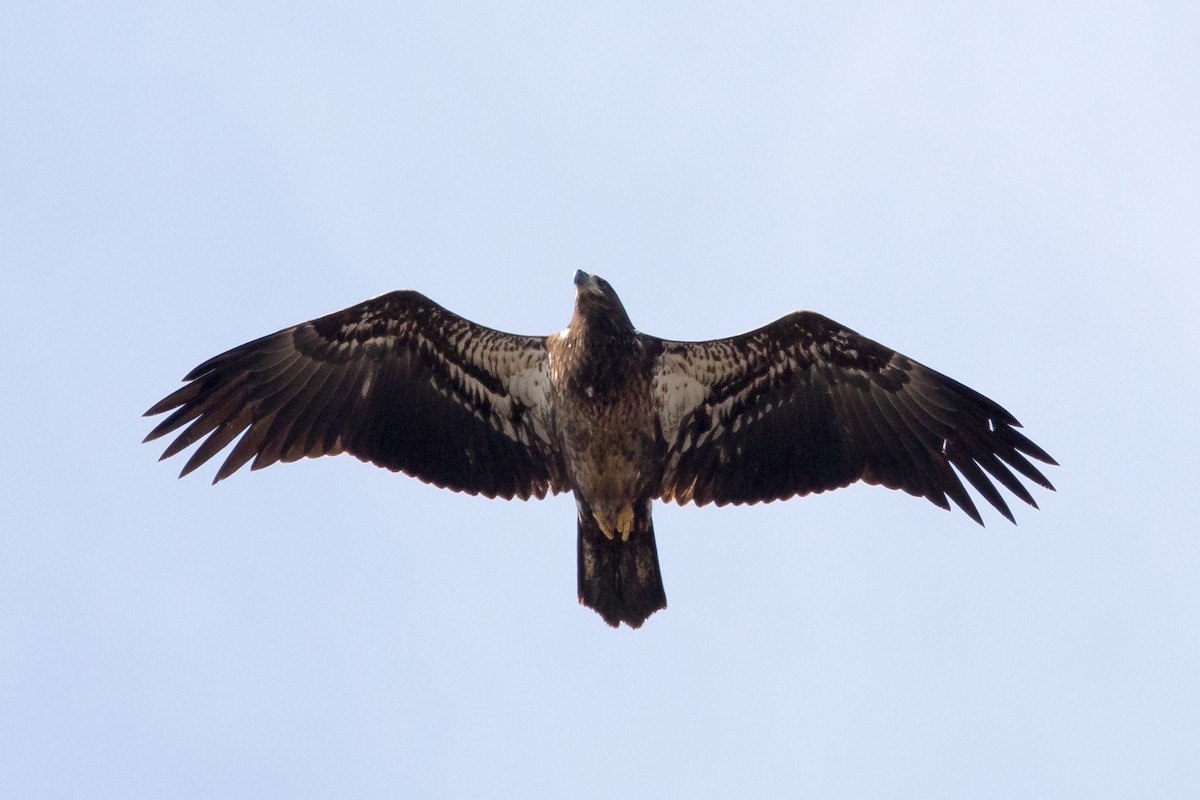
(616, 417)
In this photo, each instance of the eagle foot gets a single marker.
(623, 524)
(606, 526)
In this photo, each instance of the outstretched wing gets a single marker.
(398, 381)
(804, 405)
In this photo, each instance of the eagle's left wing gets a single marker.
(805, 405)
(398, 381)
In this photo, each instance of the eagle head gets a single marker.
(596, 302)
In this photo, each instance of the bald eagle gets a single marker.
(616, 417)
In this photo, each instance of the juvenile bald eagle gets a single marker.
(615, 417)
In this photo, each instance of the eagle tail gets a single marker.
(618, 578)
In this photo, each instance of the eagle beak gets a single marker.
(586, 282)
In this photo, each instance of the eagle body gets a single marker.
(616, 417)
(600, 390)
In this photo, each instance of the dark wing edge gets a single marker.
(806, 405)
(397, 381)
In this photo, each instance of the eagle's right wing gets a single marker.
(805, 405)
(398, 381)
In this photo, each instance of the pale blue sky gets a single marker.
(1009, 192)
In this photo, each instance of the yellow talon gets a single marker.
(625, 522)
(605, 526)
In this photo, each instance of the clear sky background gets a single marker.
(1008, 192)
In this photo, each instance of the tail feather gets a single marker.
(620, 580)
